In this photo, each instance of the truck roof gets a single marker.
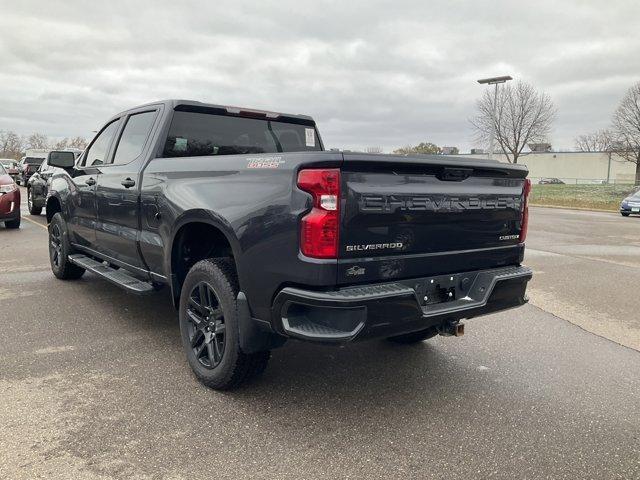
(178, 104)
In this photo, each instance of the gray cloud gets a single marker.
(371, 72)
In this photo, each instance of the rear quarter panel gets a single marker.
(253, 200)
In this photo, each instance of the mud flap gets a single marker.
(254, 337)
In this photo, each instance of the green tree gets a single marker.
(426, 148)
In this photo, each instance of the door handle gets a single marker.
(127, 183)
(90, 181)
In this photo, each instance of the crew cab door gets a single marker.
(118, 191)
(82, 209)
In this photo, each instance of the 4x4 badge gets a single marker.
(354, 271)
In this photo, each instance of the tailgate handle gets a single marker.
(455, 174)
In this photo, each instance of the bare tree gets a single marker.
(598, 141)
(37, 140)
(61, 144)
(11, 145)
(373, 149)
(78, 142)
(522, 116)
(626, 128)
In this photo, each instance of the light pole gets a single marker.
(493, 81)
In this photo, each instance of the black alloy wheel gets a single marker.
(59, 250)
(209, 326)
(55, 245)
(206, 325)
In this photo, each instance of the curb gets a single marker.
(574, 208)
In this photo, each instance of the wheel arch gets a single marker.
(194, 225)
(53, 206)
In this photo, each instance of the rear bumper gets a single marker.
(10, 205)
(383, 310)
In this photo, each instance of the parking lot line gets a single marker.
(35, 223)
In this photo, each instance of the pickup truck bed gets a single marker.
(317, 245)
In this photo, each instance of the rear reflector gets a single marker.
(524, 226)
(319, 228)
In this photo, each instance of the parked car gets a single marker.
(28, 167)
(631, 204)
(550, 181)
(38, 184)
(9, 200)
(261, 235)
(11, 167)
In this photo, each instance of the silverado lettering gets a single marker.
(374, 246)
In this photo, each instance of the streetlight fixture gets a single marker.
(494, 81)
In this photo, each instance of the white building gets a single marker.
(574, 167)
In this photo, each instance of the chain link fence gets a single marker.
(579, 181)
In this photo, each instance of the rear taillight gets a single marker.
(524, 226)
(319, 228)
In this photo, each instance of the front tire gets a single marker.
(624, 214)
(209, 327)
(32, 210)
(415, 337)
(59, 250)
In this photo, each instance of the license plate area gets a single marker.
(439, 292)
(443, 288)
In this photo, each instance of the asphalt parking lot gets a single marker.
(93, 382)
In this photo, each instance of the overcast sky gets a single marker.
(371, 73)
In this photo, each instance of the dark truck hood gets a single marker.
(421, 215)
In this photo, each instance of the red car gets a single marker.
(11, 166)
(9, 200)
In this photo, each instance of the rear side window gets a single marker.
(194, 134)
(134, 136)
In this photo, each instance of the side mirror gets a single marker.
(62, 159)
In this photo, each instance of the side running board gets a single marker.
(118, 276)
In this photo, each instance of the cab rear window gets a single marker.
(195, 134)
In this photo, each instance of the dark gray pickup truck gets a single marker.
(260, 235)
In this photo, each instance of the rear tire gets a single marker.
(624, 214)
(59, 250)
(12, 223)
(415, 337)
(209, 327)
(32, 210)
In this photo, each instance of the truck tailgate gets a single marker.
(407, 217)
